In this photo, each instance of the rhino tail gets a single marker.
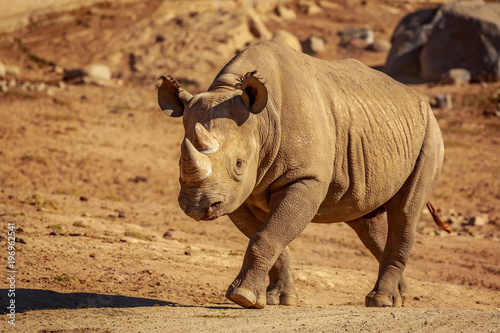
(437, 219)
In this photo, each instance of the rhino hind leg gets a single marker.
(403, 213)
(372, 231)
(281, 289)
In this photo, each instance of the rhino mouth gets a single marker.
(213, 212)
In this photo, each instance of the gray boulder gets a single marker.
(407, 42)
(432, 41)
(466, 35)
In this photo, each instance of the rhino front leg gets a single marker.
(292, 208)
(372, 232)
(281, 289)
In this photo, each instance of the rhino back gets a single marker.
(349, 126)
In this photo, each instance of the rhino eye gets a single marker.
(239, 163)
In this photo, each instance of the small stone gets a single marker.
(285, 13)
(380, 46)
(457, 76)
(82, 198)
(287, 38)
(11, 83)
(121, 215)
(3, 87)
(86, 215)
(313, 45)
(309, 7)
(12, 70)
(58, 70)
(3, 69)
(167, 234)
(50, 92)
(61, 84)
(187, 253)
(357, 37)
(443, 101)
(98, 71)
(95, 71)
(257, 26)
(478, 220)
(40, 86)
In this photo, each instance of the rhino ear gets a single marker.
(254, 94)
(172, 98)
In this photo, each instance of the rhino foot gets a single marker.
(376, 299)
(283, 299)
(245, 298)
(282, 293)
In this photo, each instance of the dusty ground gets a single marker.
(89, 178)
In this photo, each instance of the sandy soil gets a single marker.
(89, 178)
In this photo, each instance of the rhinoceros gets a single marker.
(282, 139)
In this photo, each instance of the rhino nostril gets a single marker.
(215, 205)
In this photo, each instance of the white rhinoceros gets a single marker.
(281, 139)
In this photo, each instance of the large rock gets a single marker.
(430, 42)
(466, 35)
(407, 41)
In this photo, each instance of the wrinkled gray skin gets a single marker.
(304, 140)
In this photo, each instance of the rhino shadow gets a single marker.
(36, 299)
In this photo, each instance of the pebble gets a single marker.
(357, 37)
(287, 38)
(285, 13)
(40, 86)
(380, 46)
(309, 7)
(457, 76)
(93, 71)
(257, 26)
(443, 101)
(12, 70)
(478, 220)
(98, 71)
(3, 69)
(313, 45)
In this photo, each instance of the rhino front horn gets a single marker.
(203, 140)
(195, 166)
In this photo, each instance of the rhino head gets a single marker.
(220, 151)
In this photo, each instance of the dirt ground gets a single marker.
(89, 183)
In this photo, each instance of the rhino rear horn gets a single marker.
(254, 94)
(203, 140)
(172, 98)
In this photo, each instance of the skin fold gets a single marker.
(282, 139)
